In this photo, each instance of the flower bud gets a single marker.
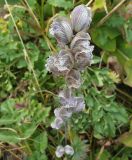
(69, 150)
(61, 29)
(59, 151)
(81, 18)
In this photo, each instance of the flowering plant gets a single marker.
(75, 55)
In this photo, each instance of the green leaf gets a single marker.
(126, 139)
(99, 4)
(27, 130)
(115, 21)
(41, 142)
(61, 3)
(105, 155)
(8, 136)
(124, 47)
(9, 1)
(128, 70)
(104, 38)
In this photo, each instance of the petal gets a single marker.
(57, 124)
(59, 151)
(69, 150)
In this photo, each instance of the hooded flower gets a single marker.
(73, 79)
(83, 58)
(59, 151)
(71, 103)
(82, 50)
(60, 64)
(61, 29)
(81, 17)
(81, 39)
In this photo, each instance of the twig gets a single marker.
(110, 13)
(100, 153)
(89, 3)
(102, 56)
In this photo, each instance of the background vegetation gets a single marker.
(28, 93)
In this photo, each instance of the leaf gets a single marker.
(105, 155)
(8, 136)
(41, 142)
(128, 70)
(104, 38)
(126, 139)
(27, 130)
(115, 21)
(9, 1)
(99, 4)
(124, 47)
(61, 3)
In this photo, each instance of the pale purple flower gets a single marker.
(69, 150)
(59, 151)
(61, 29)
(82, 50)
(71, 103)
(81, 38)
(60, 64)
(83, 58)
(81, 17)
(62, 112)
(57, 124)
(73, 79)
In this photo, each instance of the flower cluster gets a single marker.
(74, 41)
(75, 55)
(69, 105)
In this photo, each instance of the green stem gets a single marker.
(118, 153)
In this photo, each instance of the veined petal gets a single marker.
(81, 18)
(61, 29)
(80, 37)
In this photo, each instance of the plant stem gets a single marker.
(65, 133)
(118, 153)
(89, 3)
(102, 21)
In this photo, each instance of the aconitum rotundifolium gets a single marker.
(74, 56)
